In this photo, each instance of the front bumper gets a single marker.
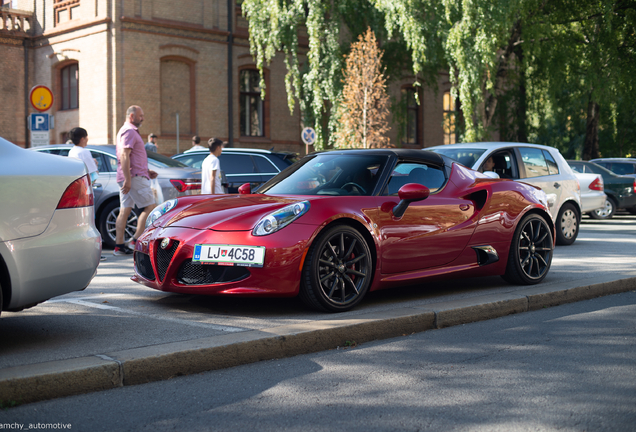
(173, 270)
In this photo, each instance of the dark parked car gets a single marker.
(243, 165)
(620, 190)
(620, 166)
(174, 179)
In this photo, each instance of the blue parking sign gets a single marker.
(39, 122)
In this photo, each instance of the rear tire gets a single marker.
(605, 212)
(567, 224)
(530, 253)
(338, 270)
(107, 219)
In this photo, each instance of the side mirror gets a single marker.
(245, 189)
(409, 193)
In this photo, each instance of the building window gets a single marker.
(70, 80)
(411, 124)
(65, 10)
(251, 104)
(449, 119)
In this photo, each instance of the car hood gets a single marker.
(227, 212)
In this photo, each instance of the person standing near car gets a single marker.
(211, 169)
(196, 144)
(79, 137)
(151, 145)
(133, 177)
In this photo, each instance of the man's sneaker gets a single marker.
(131, 243)
(122, 251)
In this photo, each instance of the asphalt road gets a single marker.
(565, 368)
(115, 314)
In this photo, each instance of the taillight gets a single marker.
(635, 186)
(597, 184)
(186, 185)
(77, 194)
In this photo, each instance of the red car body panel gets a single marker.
(434, 238)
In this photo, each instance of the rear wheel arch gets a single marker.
(5, 285)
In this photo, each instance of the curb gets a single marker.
(37, 382)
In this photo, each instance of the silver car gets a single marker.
(174, 179)
(538, 165)
(49, 244)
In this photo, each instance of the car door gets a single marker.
(538, 168)
(103, 178)
(432, 232)
(239, 169)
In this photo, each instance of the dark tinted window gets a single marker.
(264, 165)
(622, 168)
(101, 164)
(237, 164)
(408, 172)
(578, 167)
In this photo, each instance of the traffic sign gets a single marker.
(39, 122)
(41, 98)
(308, 135)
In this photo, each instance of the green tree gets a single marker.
(364, 107)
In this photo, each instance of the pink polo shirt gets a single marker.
(129, 137)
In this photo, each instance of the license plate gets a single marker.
(233, 255)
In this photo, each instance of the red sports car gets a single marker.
(338, 224)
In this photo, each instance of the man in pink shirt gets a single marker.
(133, 177)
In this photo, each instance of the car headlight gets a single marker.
(160, 210)
(280, 218)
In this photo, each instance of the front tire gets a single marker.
(605, 212)
(567, 224)
(530, 253)
(338, 270)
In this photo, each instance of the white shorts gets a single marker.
(140, 193)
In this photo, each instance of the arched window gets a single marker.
(69, 87)
(449, 119)
(412, 117)
(252, 114)
(177, 96)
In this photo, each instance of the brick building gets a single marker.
(186, 57)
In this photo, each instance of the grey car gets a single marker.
(535, 164)
(174, 179)
(243, 165)
(49, 244)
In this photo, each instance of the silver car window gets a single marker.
(534, 161)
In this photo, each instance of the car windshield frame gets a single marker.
(323, 174)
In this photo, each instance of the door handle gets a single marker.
(97, 185)
(557, 185)
(464, 207)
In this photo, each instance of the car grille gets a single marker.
(164, 256)
(144, 268)
(204, 274)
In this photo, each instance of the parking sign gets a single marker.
(39, 122)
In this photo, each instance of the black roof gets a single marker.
(415, 154)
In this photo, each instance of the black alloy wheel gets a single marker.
(531, 251)
(338, 270)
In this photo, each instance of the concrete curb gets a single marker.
(31, 383)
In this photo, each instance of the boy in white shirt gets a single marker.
(211, 169)
(79, 137)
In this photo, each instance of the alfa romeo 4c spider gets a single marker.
(338, 224)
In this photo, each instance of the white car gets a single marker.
(49, 244)
(538, 165)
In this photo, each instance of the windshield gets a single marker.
(329, 174)
(465, 156)
(164, 161)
